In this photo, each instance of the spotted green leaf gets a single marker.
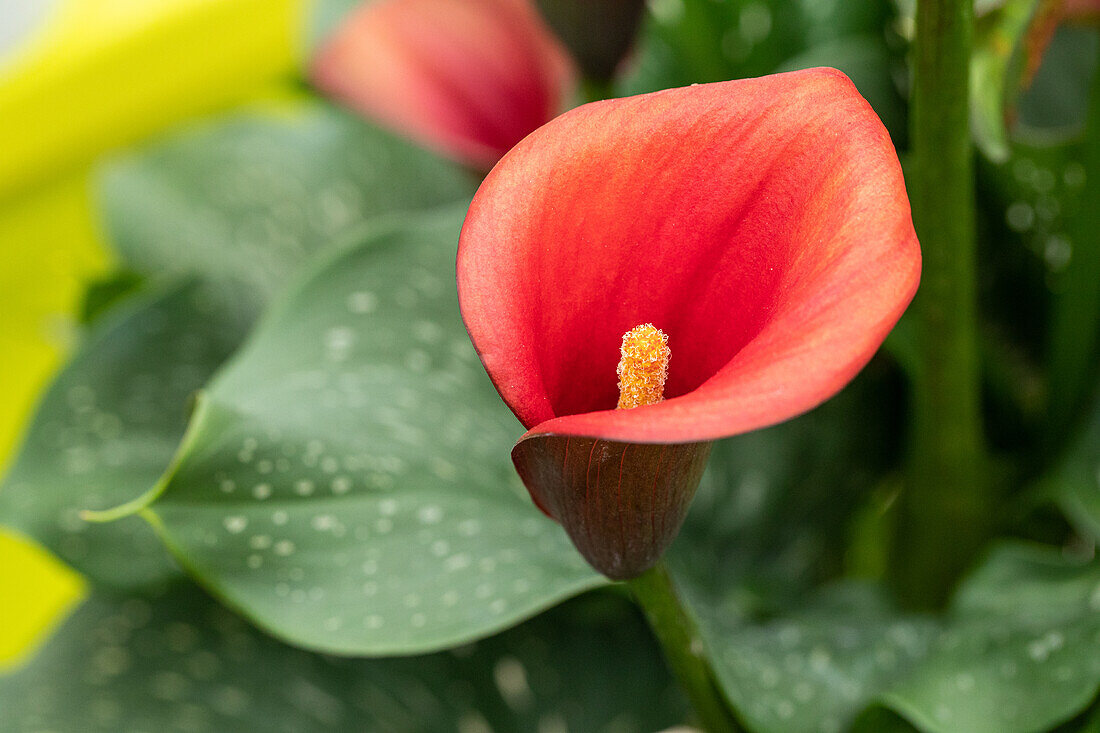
(107, 429)
(1020, 650)
(1077, 481)
(815, 669)
(243, 200)
(768, 522)
(690, 41)
(1026, 621)
(1047, 196)
(178, 661)
(346, 479)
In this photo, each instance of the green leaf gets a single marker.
(107, 428)
(768, 523)
(881, 720)
(1047, 287)
(694, 41)
(241, 202)
(817, 668)
(1026, 621)
(1020, 652)
(770, 517)
(104, 293)
(245, 199)
(179, 661)
(346, 479)
(1076, 482)
(763, 529)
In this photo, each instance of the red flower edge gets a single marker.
(762, 224)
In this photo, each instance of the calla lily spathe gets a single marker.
(763, 224)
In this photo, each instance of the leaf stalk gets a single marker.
(676, 631)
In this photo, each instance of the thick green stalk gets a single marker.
(945, 511)
(679, 639)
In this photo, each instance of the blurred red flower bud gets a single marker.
(468, 78)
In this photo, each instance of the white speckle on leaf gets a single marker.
(469, 527)
(1074, 175)
(362, 302)
(338, 343)
(1094, 598)
(458, 561)
(235, 524)
(260, 542)
(511, 680)
(1020, 216)
(430, 514)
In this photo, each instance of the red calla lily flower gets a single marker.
(762, 224)
(469, 78)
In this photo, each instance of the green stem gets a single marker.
(944, 512)
(679, 639)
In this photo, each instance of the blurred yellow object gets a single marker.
(95, 74)
(79, 78)
(36, 595)
(49, 247)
